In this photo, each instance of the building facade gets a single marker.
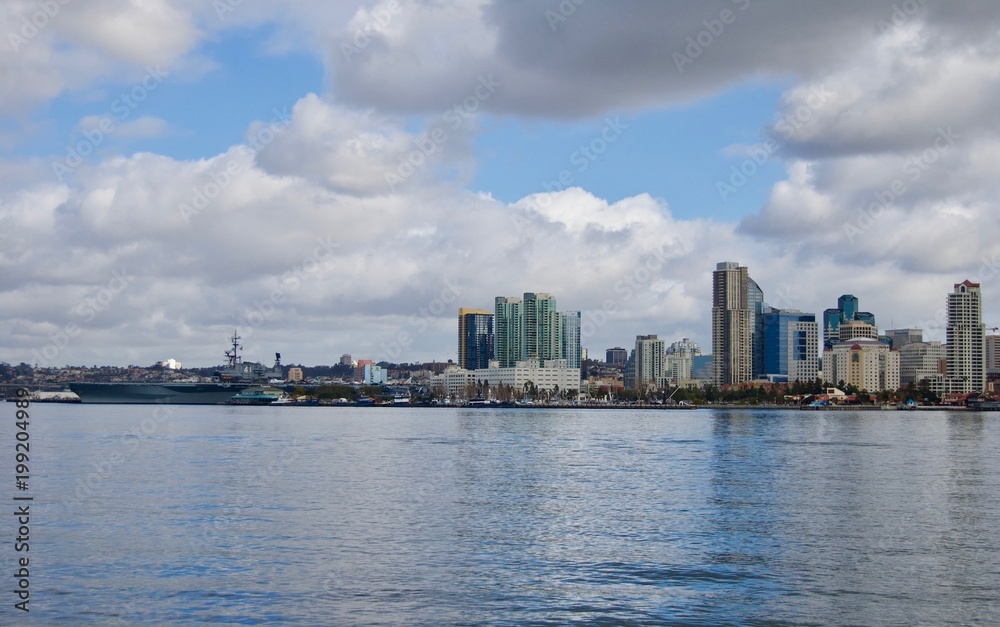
(571, 351)
(966, 336)
(791, 345)
(848, 310)
(542, 327)
(866, 364)
(475, 338)
(544, 377)
(732, 324)
(509, 328)
(922, 360)
(679, 364)
(616, 356)
(992, 357)
(857, 328)
(648, 364)
(902, 337)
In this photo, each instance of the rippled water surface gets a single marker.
(422, 516)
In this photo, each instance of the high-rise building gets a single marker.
(542, 327)
(755, 300)
(509, 331)
(902, 337)
(847, 311)
(616, 355)
(831, 326)
(679, 365)
(848, 306)
(571, 350)
(732, 324)
(922, 360)
(475, 338)
(530, 329)
(345, 360)
(648, 363)
(866, 364)
(992, 357)
(791, 345)
(966, 335)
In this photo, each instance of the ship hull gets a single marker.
(153, 393)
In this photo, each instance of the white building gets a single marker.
(648, 361)
(679, 364)
(921, 360)
(966, 335)
(454, 381)
(865, 363)
(554, 373)
(855, 329)
(171, 364)
(373, 374)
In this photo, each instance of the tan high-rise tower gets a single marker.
(732, 324)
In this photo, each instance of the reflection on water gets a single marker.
(401, 516)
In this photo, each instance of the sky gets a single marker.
(333, 177)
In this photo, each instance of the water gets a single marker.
(434, 516)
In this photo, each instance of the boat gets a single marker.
(260, 395)
(63, 396)
(982, 404)
(226, 382)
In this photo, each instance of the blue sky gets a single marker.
(305, 234)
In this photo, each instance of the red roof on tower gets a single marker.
(967, 283)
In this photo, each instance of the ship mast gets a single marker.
(233, 354)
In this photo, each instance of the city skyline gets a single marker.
(324, 179)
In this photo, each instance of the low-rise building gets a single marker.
(554, 373)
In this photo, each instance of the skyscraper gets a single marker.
(847, 311)
(571, 349)
(791, 345)
(966, 335)
(616, 355)
(475, 338)
(542, 327)
(679, 364)
(648, 362)
(530, 328)
(509, 329)
(732, 324)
